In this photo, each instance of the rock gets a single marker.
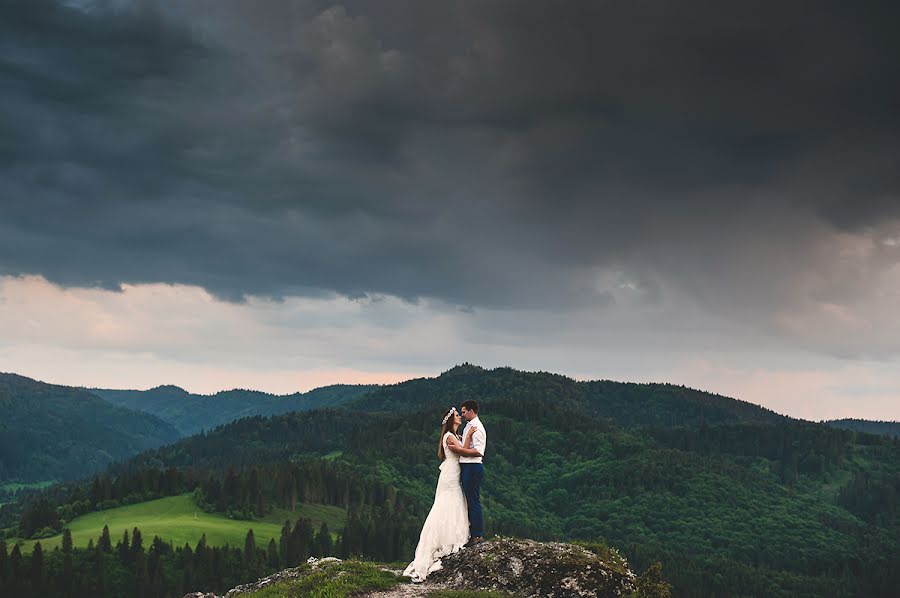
(523, 568)
(529, 568)
(311, 565)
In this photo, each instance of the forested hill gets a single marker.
(190, 413)
(625, 404)
(51, 432)
(884, 428)
(733, 500)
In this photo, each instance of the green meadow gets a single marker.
(178, 520)
(11, 487)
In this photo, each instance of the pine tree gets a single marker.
(137, 543)
(4, 561)
(249, 556)
(124, 549)
(201, 562)
(38, 569)
(104, 543)
(155, 567)
(14, 575)
(67, 578)
(187, 569)
(141, 575)
(302, 539)
(284, 543)
(272, 554)
(324, 542)
(100, 572)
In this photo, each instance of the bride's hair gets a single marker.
(447, 425)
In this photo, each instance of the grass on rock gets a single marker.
(335, 580)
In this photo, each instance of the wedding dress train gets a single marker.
(446, 528)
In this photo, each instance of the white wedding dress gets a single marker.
(446, 528)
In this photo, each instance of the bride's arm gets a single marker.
(466, 451)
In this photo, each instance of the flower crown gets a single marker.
(449, 413)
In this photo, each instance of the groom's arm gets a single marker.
(453, 445)
(459, 450)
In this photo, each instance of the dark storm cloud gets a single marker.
(491, 153)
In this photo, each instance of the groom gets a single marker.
(471, 469)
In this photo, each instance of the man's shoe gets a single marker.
(473, 541)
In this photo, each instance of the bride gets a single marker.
(446, 528)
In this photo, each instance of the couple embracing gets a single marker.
(455, 519)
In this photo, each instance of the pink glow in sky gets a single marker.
(148, 335)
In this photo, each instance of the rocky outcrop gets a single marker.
(312, 565)
(516, 567)
(529, 568)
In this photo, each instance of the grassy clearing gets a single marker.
(11, 487)
(177, 519)
(348, 578)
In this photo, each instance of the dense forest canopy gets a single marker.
(729, 497)
(51, 432)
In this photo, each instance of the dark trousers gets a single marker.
(471, 476)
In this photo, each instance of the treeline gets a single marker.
(252, 492)
(45, 514)
(163, 571)
(239, 494)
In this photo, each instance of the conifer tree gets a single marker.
(284, 543)
(104, 543)
(141, 575)
(187, 569)
(67, 578)
(324, 542)
(102, 589)
(249, 556)
(301, 541)
(38, 569)
(137, 543)
(14, 577)
(272, 555)
(4, 561)
(124, 549)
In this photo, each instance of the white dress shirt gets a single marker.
(479, 440)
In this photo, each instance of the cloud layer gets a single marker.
(645, 168)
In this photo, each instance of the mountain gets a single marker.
(885, 428)
(62, 433)
(731, 498)
(191, 413)
(622, 403)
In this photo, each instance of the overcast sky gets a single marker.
(281, 195)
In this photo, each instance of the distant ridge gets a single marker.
(48, 431)
(191, 413)
(884, 428)
(625, 403)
